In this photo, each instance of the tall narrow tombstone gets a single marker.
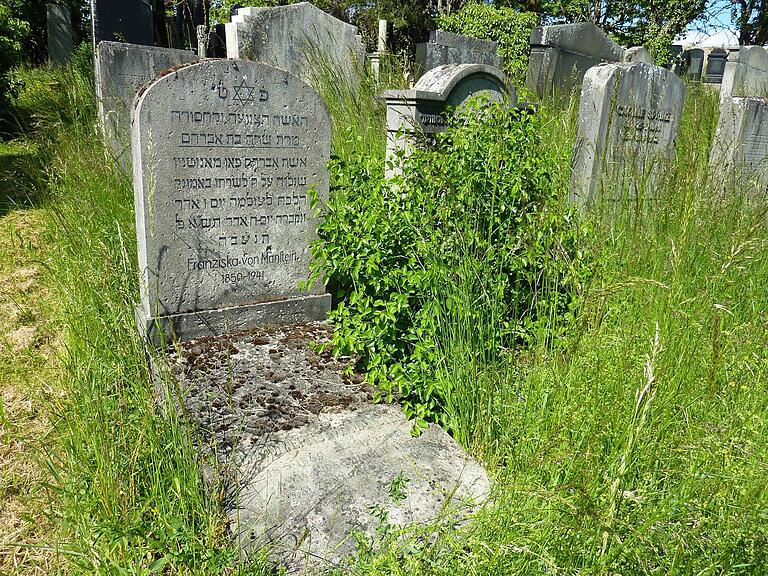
(120, 69)
(124, 21)
(740, 146)
(295, 38)
(424, 110)
(59, 34)
(695, 63)
(449, 48)
(715, 66)
(629, 116)
(225, 153)
(562, 54)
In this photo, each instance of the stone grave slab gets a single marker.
(120, 69)
(562, 54)
(424, 110)
(225, 153)
(286, 36)
(302, 456)
(123, 21)
(740, 146)
(60, 44)
(448, 48)
(629, 115)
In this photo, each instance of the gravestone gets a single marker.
(120, 69)
(629, 116)
(715, 66)
(561, 55)
(746, 73)
(637, 54)
(740, 146)
(294, 38)
(448, 48)
(59, 34)
(695, 61)
(225, 153)
(677, 59)
(124, 21)
(424, 110)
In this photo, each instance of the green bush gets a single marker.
(12, 32)
(474, 234)
(511, 29)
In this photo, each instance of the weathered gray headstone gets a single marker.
(629, 116)
(562, 54)
(715, 66)
(424, 110)
(294, 38)
(225, 153)
(448, 48)
(122, 21)
(740, 146)
(120, 69)
(637, 54)
(59, 34)
(746, 73)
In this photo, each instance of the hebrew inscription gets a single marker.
(229, 153)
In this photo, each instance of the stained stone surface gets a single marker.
(629, 115)
(224, 155)
(449, 48)
(302, 455)
(122, 21)
(59, 24)
(286, 36)
(637, 54)
(425, 110)
(740, 146)
(120, 69)
(562, 54)
(746, 74)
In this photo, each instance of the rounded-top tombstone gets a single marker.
(225, 153)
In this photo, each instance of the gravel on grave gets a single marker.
(238, 389)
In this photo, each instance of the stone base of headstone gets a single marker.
(300, 456)
(217, 322)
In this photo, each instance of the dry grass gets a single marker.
(28, 378)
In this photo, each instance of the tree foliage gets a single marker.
(751, 17)
(12, 32)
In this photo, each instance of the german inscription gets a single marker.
(229, 152)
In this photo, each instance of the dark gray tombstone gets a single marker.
(629, 115)
(713, 74)
(294, 38)
(59, 34)
(224, 155)
(120, 69)
(448, 48)
(122, 21)
(695, 62)
(562, 54)
(423, 111)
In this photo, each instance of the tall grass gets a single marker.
(129, 497)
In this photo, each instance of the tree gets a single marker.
(751, 18)
(12, 32)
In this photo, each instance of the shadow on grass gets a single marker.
(22, 182)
